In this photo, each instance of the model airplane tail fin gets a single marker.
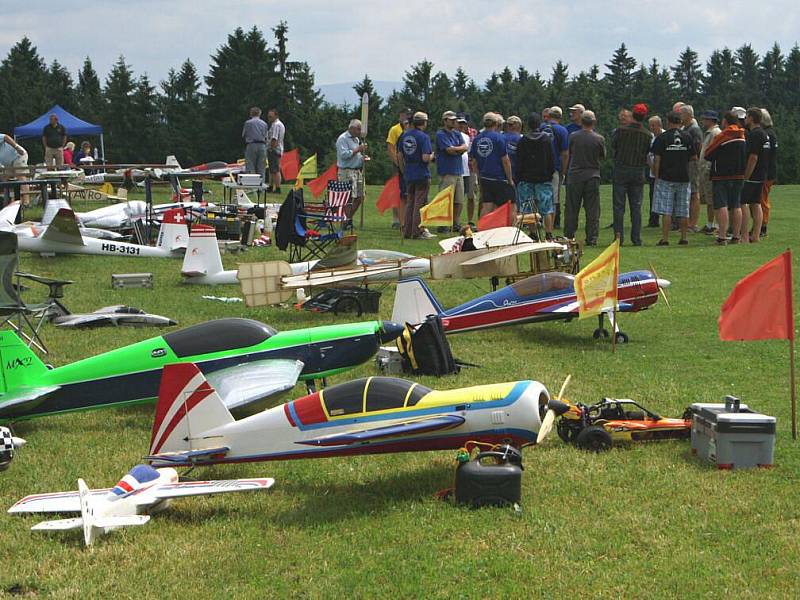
(8, 216)
(173, 233)
(414, 301)
(187, 408)
(64, 228)
(202, 253)
(52, 207)
(19, 365)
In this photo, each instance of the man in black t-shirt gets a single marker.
(755, 174)
(54, 138)
(534, 174)
(772, 169)
(673, 150)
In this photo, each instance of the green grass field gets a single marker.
(640, 521)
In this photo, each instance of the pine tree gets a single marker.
(557, 87)
(771, 73)
(416, 90)
(182, 110)
(118, 120)
(688, 76)
(746, 77)
(619, 79)
(656, 88)
(242, 74)
(717, 89)
(88, 96)
(23, 86)
(148, 143)
(59, 86)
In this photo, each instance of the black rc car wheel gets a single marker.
(594, 439)
(347, 304)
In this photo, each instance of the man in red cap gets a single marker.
(630, 144)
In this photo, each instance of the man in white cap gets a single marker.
(575, 112)
(416, 154)
(450, 147)
(552, 125)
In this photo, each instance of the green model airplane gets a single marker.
(249, 362)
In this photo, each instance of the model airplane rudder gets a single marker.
(202, 253)
(173, 233)
(20, 366)
(414, 301)
(185, 394)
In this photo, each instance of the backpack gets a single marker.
(425, 350)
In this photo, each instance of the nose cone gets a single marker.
(390, 330)
(663, 283)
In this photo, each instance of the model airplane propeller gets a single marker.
(143, 491)
(661, 288)
(554, 408)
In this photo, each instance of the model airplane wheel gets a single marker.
(348, 304)
(622, 338)
(598, 333)
(594, 439)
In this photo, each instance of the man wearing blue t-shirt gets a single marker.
(490, 160)
(415, 154)
(561, 152)
(513, 135)
(449, 165)
(575, 113)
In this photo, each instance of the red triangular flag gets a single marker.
(390, 195)
(499, 217)
(320, 184)
(760, 305)
(290, 164)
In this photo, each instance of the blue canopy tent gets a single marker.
(73, 124)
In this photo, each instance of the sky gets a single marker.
(342, 41)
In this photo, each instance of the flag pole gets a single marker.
(614, 331)
(790, 324)
(793, 392)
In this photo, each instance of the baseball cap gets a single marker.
(420, 116)
(740, 112)
(556, 111)
(588, 115)
(579, 107)
(711, 115)
(640, 109)
(514, 120)
(461, 118)
(449, 114)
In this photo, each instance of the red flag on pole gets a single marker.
(390, 195)
(320, 184)
(499, 217)
(290, 164)
(760, 305)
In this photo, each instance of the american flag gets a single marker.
(339, 193)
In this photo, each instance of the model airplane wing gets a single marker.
(497, 236)
(23, 398)
(321, 278)
(366, 436)
(56, 502)
(254, 382)
(64, 229)
(202, 488)
(59, 525)
(572, 306)
(513, 250)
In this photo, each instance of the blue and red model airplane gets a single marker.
(543, 297)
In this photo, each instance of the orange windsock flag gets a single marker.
(499, 217)
(320, 184)
(760, 305)
(390, 195)
(290, 164)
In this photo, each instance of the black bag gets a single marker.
(425, 349)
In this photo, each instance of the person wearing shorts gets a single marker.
(772, 169)
(755, 174)
(534, 175)
(727, 157)
(710, 131)
(673, 150)
(490, 160)
(277, 132)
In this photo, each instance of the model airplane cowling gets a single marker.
(365, 416)
(132, 374)
(543, 297)
(143, 491)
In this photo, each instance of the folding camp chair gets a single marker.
(308, 232)
(11, 304)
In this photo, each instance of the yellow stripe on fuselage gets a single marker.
(478, 393)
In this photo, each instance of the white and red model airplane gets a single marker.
(143, 491)
(375, 415)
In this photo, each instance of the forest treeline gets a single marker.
(200, 118)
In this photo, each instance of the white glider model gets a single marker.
(143, 491)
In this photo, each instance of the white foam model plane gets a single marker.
(140, 493)
(202, 264)
(63, 236)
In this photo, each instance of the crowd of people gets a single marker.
(728, 164)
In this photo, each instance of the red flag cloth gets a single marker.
(290, 164)
(320, 184)
(390, 195)
(760, 305)
(499, 217)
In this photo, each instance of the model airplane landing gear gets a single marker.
(601, 331)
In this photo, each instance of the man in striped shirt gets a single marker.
(630, 144)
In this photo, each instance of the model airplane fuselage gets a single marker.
(132, 374)
(365, 416)
(143, 491)
(544, 297)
